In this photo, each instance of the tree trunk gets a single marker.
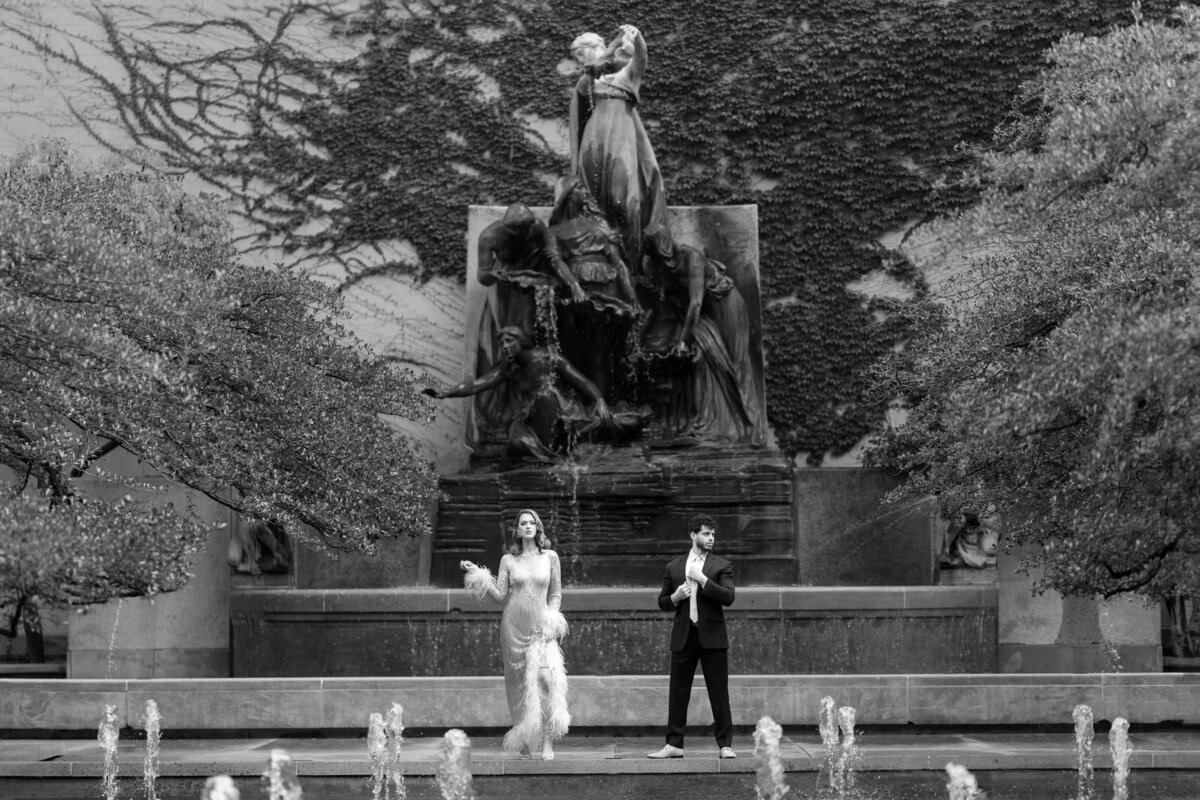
(35, 644)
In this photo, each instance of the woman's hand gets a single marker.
(467, 565)
(630, 32)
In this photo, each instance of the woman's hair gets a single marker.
(541, 539)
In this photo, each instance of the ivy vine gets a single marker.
(841, 119)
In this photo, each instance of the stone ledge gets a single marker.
(757, 598)
(598, 701)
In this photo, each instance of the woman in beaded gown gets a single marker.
(535, 677)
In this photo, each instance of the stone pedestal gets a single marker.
(616, 515)
(616, 518)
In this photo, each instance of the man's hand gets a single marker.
(682, 593)
(696, 573)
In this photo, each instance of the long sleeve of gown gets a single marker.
(555, 624)
(554, 591)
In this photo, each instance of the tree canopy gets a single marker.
(1055, 379)
(126, 322)
(354, 136)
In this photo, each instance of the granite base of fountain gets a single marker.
(617, 516)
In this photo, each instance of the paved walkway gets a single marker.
(600, 754)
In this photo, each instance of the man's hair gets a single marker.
(698, 521)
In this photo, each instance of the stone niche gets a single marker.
(616, 513)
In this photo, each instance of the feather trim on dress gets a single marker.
(545, 702)
(555, 625)
(478, 582)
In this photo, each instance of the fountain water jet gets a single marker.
(961, 784)
(107, 735)
(1084, 733)
(394, 729)
(153, 734)
(383, 746)
(844, 772)
(220, 787)
(454, 767)
(1118, 743)
(377, 751)
(768, 764)
(281, 778)
(828, 728)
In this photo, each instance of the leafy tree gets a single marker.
(1056, 380)
(355, 135)
(126, 323)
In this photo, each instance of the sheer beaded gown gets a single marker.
(535, 679)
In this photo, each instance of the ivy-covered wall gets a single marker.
(841, 119)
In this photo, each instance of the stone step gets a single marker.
(307, 706)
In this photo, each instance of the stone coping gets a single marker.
(597, 701)
(585, 599)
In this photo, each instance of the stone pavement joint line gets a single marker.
(598, 754)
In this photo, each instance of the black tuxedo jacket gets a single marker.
(711, 600)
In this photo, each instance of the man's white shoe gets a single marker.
(728, 752)
(668, 751)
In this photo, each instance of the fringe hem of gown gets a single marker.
(543, 662)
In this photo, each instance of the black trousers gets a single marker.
(715, 664)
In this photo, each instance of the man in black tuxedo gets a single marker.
(697, 587)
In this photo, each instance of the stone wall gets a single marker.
(783, 630)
